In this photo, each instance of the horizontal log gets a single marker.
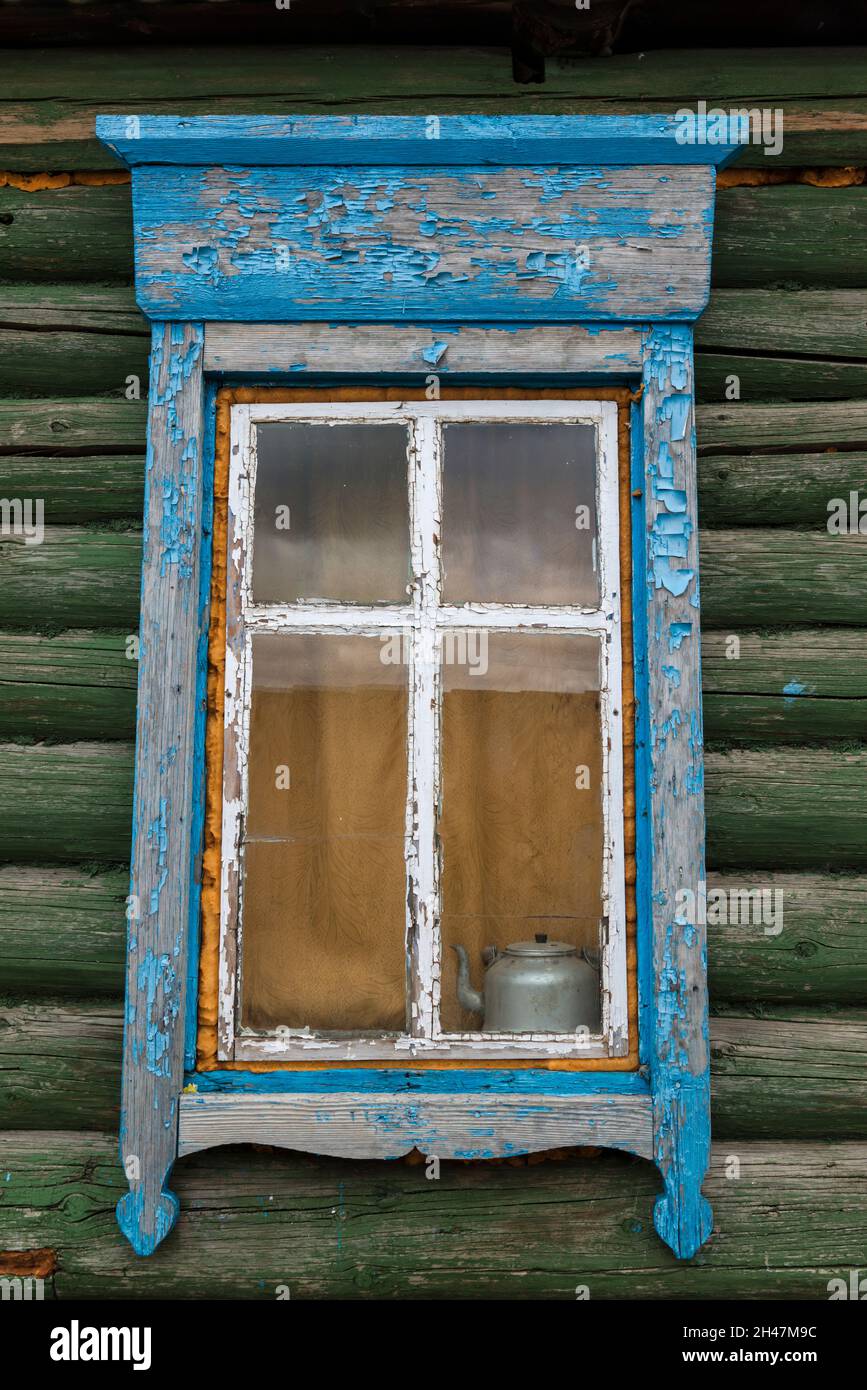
(320, 72)
(788, 1074)
(60, 1061)
(736, 489)
(62, 360)
(774, 428)
(73, 307)
(70, 803)
(780, 344)
(62, 931)
(72, 233)
(84, 363)
(77, 488)
(793, 234)
(778, 489)
(781, 378)
(786, 808)
(53, 97)
(799, 686)
(830, 663)
(81, 685)
(808, 942)
(789, 1071)
(87, 578)
(78, 685)
(792, 331)
(97, 426)
(90, 426)
(74, 578)
(812, 323)
(795, 1217)
(764, 719)
(39, 363)
(771, 577)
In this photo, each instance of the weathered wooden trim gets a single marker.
(387, 1126)
(207, 992)
(444, 217)
(532, 243)
(678, 1046)
(267, 349)
(406, 140)
(424, 753)
(162, 816)
(543, 236)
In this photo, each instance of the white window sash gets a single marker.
(424, 621)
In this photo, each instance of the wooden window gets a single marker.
(305, 859)
(423, 728)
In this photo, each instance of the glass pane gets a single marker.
(521, 828)
(331, 513)
(325, 885)
(519, 520)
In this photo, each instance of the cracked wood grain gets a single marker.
(160, 878)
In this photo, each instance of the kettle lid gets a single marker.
(541, 946)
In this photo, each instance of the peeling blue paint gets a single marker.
(792, 690)
(374, 243)
(158, 835)
(679, 1067)
(397, 1081)
(434, 354)
(593, 142)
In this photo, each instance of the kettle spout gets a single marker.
(468, 998)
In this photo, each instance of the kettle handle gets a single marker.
(594, 964)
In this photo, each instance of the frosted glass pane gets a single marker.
(519, 518)
(331, 513)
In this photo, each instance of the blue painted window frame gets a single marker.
(669, 1093)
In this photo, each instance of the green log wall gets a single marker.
(786, 723)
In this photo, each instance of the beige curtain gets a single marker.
(325, 892)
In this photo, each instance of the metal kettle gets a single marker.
(538, 986)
